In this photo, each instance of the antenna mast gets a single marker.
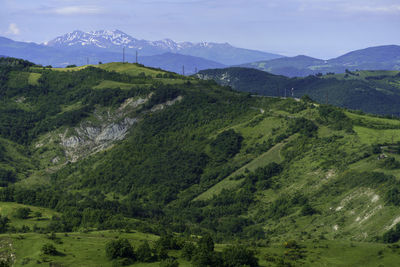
(183, 70)
(123, 54)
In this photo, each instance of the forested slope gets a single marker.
(375, 92)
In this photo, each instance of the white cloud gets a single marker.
(391, 9)
(13, 29)
(75, 10)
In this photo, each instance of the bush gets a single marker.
(307, 210)
(206, 243)
(226, 145)
(239, 255)
(303, 126)
(3, 223)
(390, 163)
(393, 196)
(393, 235)
(187, 251)
(22, 213)
(49, 249)
(120, 248)
(143, 252)
(169, 263)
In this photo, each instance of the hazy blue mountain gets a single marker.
(373, 58)
(115, 40)
(387, 56)
(174, 62)
(61, 57)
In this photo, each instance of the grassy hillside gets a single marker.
(284, 182)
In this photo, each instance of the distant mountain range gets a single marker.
(114, 41)
(59, 57)
(80, 47)
(373, 58)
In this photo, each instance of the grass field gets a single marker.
(373, 136)
(88, 249)
(8, 209)
(113, 85)
(34, 78)
(73, 69)
(129, 68)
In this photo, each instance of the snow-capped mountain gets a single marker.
(113, 41)
(117, 38)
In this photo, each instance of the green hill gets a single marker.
(369, 91)
(172, 167)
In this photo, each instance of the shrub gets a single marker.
(187, 251)
(393, 235)
(307, 210)
(170, 262)
(393, 196)
(120, 248)
(22, 213)
(49, 249)
(143, 252)
(303, 126)
(3, 223)
(238, 255)
(226, 145)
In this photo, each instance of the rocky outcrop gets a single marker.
(91, 137)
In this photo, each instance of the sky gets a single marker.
(318, 28)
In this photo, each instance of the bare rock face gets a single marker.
(92, 137)
(71, 142)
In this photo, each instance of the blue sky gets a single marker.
(319, 28)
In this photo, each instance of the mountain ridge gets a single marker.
(115, 40)
(385, 57)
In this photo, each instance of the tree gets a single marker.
(49, 249)
(226, 145)
(393, 235)
(143, 252)
(120, 248)
(187, 251)
(170, 262)
(204, 254)
(3, 223)
(206, 243)
(22, 213)
(239, 255)
(307, 209)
